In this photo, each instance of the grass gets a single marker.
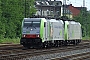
(8, 40)
(17, 40)
(86, 38)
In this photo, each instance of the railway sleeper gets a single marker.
(4, 56)
(81, 57)
(74, 57)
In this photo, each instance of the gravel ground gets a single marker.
(57, 55)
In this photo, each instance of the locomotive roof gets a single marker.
(32, 19)
(73, 22)
(51, 20)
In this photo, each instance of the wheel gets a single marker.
(75, 42)
(65, 43)
(26, 47)
(40, 46)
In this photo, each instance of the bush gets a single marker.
(0, 41)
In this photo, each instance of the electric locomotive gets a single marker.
(41, 32)
(73, 32)
(32, 31)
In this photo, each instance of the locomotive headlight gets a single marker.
(23, 35)
(38, 36)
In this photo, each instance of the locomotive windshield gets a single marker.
(32, 24)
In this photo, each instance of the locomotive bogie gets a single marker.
(31, 42)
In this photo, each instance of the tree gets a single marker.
(2, 28)
(29, 8)
(12, 14)
(0, 9)
(84, 19)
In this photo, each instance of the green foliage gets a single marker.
(2, 30)
(29, 7)
(12, 13)
(84, 19)
(2, 26)
(0, 9)
(86, 38)
(11, 17)
(8, 40)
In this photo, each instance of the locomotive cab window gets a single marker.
(32, 24)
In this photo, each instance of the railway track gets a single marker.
(17, 54)
(18, 46)
(10, 46)
(82, 56)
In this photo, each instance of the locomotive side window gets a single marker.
(44, 24)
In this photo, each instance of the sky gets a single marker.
(78, 3)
